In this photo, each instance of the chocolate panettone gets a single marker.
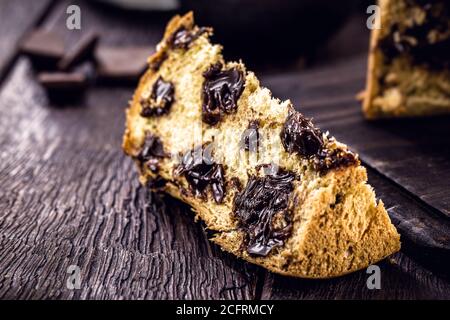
(274, 189)
(409, 61)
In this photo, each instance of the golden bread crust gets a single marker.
(337, 225)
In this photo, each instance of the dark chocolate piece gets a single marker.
(257, 206)
(334, 159)
(63, 87)
(121, 64)
(45, 48)
(151, 152)
(82, 51)
(160, 99)
(156, 184)
(202, 174)
(236, 184)
(250, 138)
(182, 38)
(62, 80)
(221, 91)
(300, 136)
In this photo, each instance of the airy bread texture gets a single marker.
(337, 225)
(398, 86)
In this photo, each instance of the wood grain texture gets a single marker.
(68, 195)
(415, 153)
(425, 234)
(419, 271)
(415, 189)
(16, 18)
(401, 278)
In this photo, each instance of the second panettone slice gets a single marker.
(409, 60)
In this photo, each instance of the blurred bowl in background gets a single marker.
(159, 5)
(264, 30)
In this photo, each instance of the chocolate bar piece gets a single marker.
(63, 87)
(45, 48)
(83, 50)
(117, 64)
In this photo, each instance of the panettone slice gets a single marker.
(409, 60)
(274, 189)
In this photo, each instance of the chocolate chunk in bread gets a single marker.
(273, 188)
(221, 90)
(300, 136)
(262, 201)
(151, 152)
(250, 137)
(160, 99)
(202, 173)
(183, 37)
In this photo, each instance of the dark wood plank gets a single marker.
(425, 235)
(415, 153)
(16, 18)
(70, 197)
(328, 95)
(401, 278)
(397, 148)
(418, 272)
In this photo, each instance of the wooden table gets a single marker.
(68, 195)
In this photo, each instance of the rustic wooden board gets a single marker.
(415, 153)
(401, 278)
(15, 20)
(407, 175)
(417, 272)
(69, 196)
(424, 233)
